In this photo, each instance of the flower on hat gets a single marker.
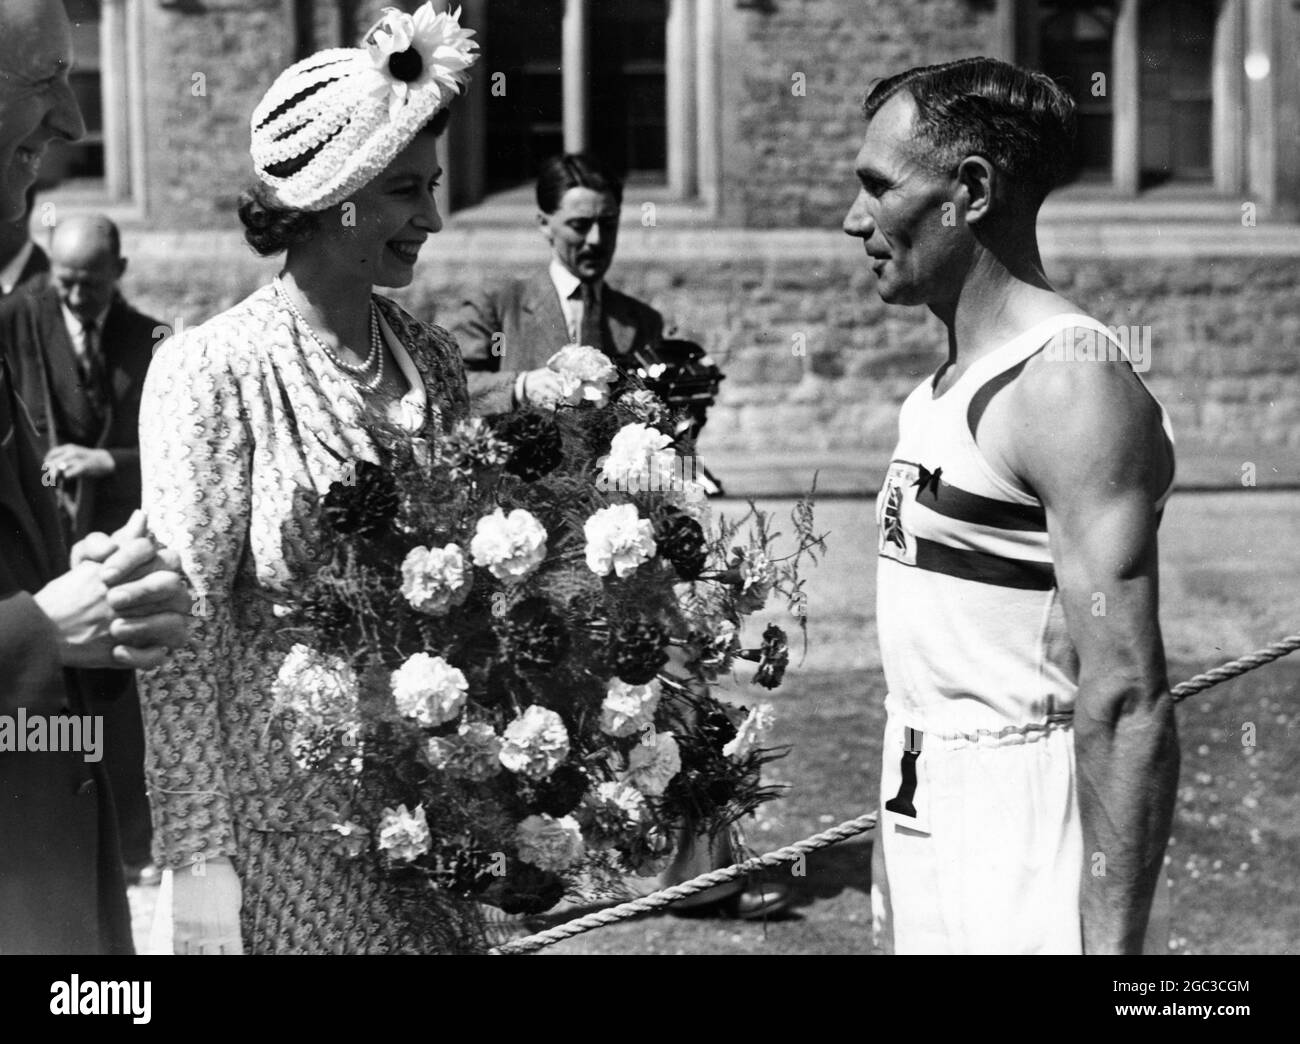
(410, 50)
(332, 122)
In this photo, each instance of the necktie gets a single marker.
(591, 333)
(93, 377)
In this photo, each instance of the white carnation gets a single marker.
(586, 372)
(627, 799)
(535, 744)
(319, 695)
(316, 686)
(759, 576)
(429, 689)
(652, 766)
(473, 753)
(753, 731)
(640, 458)
(549, 843)
(627, 709)
(404, 835)
(618, 539)
(435, 579)
(509, 546)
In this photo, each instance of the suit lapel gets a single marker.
(115, 346)
(27, 507)
(544, 328)
(37, 262)
(63, 371)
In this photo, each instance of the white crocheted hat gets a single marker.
(330, 123)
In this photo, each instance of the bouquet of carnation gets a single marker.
(506, 647)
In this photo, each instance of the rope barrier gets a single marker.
(849, 828)
(1239, 666)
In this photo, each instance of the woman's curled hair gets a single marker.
(272, 229)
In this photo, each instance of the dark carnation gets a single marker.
(558, 794)
(773, 659)
(681, 540)
(535, 442)
(528, 890)
(467, 872)
(599, 432)
(366, 506)
(716, 728)
(636, 651)
(534, 636)
(327, 614)
(472, 447)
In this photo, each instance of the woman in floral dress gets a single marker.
(246, 421)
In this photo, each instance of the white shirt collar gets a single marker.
(565, 282)
(72, 323)
(14, 269)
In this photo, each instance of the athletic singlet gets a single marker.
(972, 631)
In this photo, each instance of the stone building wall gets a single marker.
(794, 80)
(817, 366)
(203, 74)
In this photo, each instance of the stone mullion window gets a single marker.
(1149, 106)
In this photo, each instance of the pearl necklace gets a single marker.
(352, 370)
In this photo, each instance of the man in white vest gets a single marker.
(1030, 756)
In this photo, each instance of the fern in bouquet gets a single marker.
(506, 648)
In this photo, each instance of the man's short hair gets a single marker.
(1020, 120)
(574, 170)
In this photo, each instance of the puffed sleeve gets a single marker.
(195, 452)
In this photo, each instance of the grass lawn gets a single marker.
(1230, 583)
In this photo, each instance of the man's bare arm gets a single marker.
(1091, 446)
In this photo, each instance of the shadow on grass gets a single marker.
(845, 867)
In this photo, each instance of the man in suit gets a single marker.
(507, 333)
(22, 262)
(121, 604)
(509, 330)
(79, 354)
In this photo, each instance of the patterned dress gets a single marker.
(245, 423)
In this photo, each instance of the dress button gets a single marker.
(87, 787)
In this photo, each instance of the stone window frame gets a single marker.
(692, 71)
(121, 191)
(1241, 146)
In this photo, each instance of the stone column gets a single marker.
(1261, 102)
(113, 85)
(1229, 102)
(576, 74)
(679, 69)
(1125, 86)
(708, 109)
